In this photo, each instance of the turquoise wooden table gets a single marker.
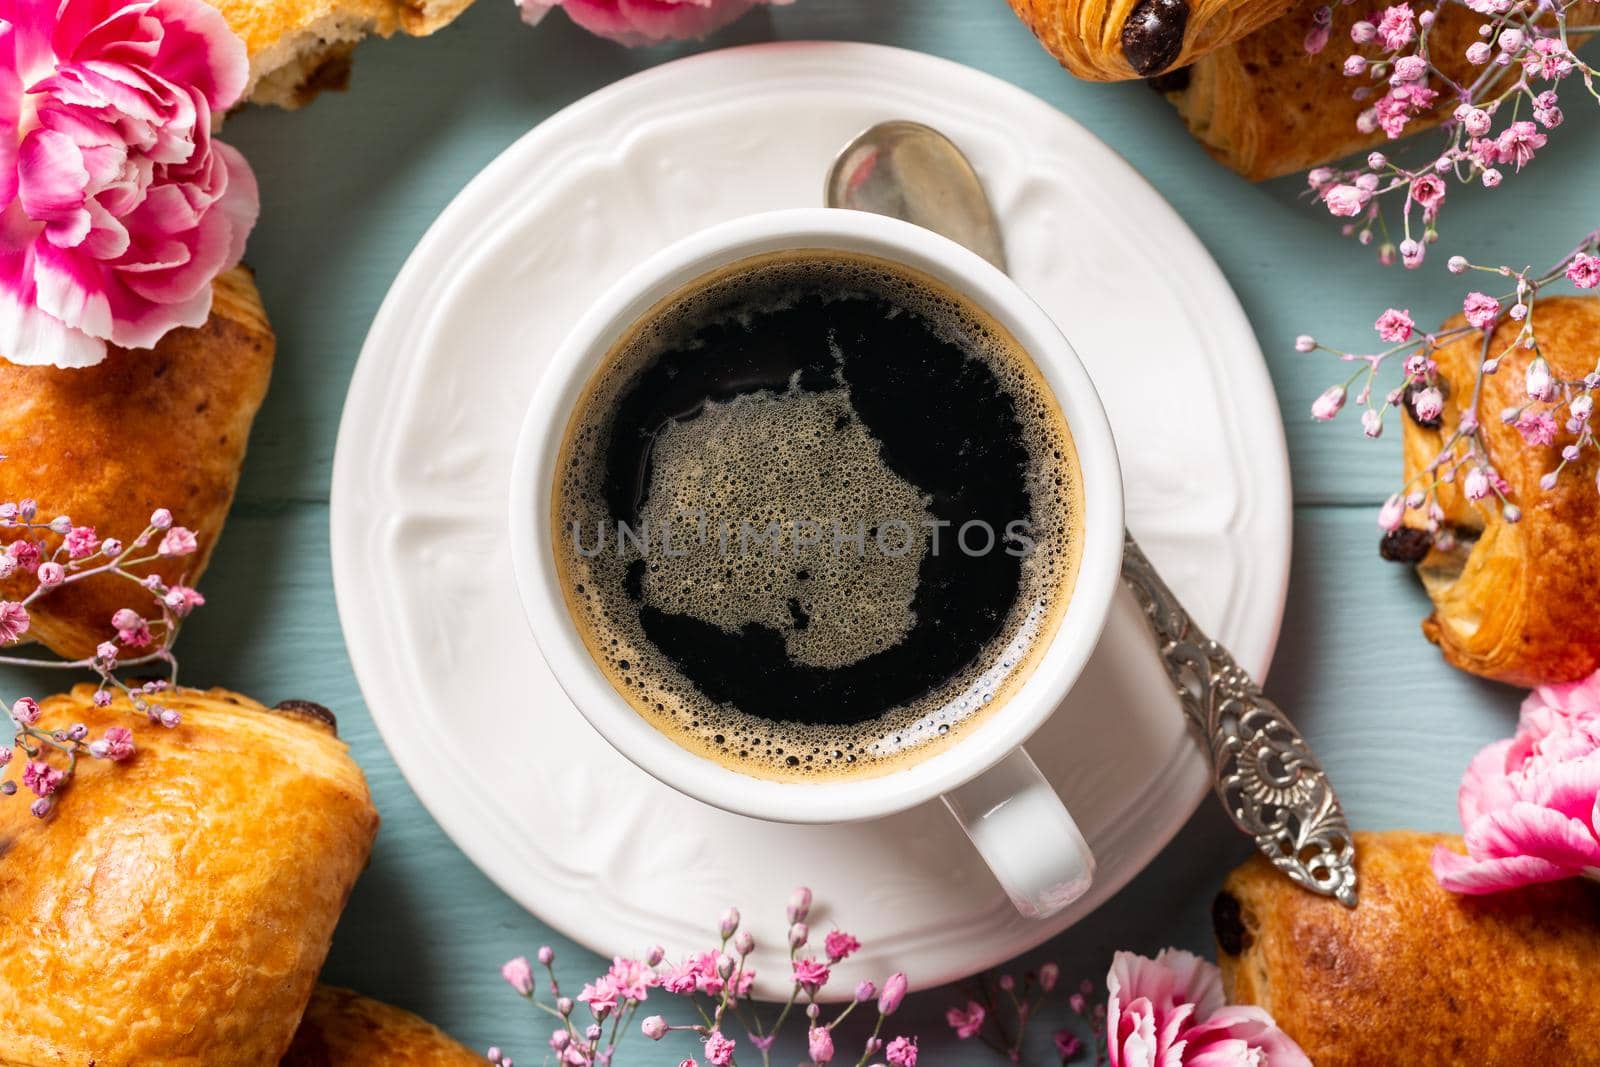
(349, 185)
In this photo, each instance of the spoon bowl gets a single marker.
(913, 172)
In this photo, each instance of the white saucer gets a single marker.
(422, 570)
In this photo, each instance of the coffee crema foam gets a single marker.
(752, 401)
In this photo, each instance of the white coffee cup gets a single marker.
(1009, 811)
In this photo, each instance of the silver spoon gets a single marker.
(1263, 771)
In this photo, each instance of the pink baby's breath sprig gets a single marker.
(56, 553)
(1553, 409)
(999, 1010)
(717, 984)
(1501, 111)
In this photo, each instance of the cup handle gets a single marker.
(1025, 834)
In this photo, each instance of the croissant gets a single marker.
(298, 48)
(175, 908)
(1125, 39)
(1416, 975)
(107, 444)
(344, 1029)
(1264, 107)
(1516, 602)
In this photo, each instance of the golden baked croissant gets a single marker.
(1416, 975)
(345, 1029)
(298, 48)
(1517, 602)
(1264, 107)
(108, 444)
(175, 908)
(1114, 40)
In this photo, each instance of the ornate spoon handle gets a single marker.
(1263, 771)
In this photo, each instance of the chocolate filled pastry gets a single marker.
(298, 48)
(1414, 974)
(1140, 38)
(175, 907)
(1516, 602)
(110, 443)
(344, 1029)
(1264, 107)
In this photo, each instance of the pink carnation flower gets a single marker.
(1530, 805)
(119, 208)
(640, 22)
(1170, 1012)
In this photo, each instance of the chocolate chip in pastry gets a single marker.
(1516, 602)
(175, 908)
(1126, 39)
(1416, 975)
(110, 443)
(345, 1029)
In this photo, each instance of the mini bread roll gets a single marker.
(108, 444)
(1264, 107)
(1516, 602)
(298, 48)
(345, 1029)
(174, 909)
(1416, 975)
(1122, 39)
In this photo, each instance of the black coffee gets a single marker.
(816, 512)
